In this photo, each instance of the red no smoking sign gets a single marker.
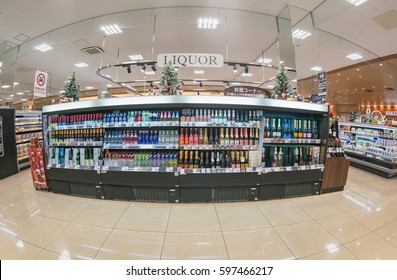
(40, 79)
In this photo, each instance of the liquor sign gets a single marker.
(314, 98)
(391, 113)
(190, 59)
(322, 83)
(246, 91)
(40, 83)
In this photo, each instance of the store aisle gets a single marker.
(358, 223)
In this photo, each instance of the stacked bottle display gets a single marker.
(94, 119)
(220, 136)
(220, 115)
(334, 148)
(141, 159)
(290, 156)
(88, 156)
(289, 128)
(77, 135)
(213, 159)
(135, 137)
(140, 117)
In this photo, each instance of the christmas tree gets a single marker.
(169, 82)
(71, 90)
(282, 86)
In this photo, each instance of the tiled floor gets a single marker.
(358, 223)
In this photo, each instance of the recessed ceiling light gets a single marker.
(282, 61)
(247, 74)
(354, 56)
(61, 91)
(23, 99)
(357, 2)
(20, 93)
(135, 57)
(338, 74)
(294, 80)
(16, 83)
(207, 23)
(81, 64)
(358, 69)
(11, 95)
(235, 84)
(43, 47)
(111, 29)
(265, 60)
(360, 77)
(380, 64)
(89, 87)
(5, 86)
(150, 72)
(347, 78)
(316, 68)
(109, 85)
(300, 34)
(270, 86)
(198, 72)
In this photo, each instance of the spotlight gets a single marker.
(235, 69)
(176, 69)
(246, 70)
(201, 84)
(154, 68)
(129, 69)
(143, 68)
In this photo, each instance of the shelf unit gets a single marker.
(28, 124)
(371, 147)
(122, 169)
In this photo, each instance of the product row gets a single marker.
(290, 156)
(77, 135)
(80, 119)
(335, 148)
(140, 159)
(27, 120)
(370, 131)
(23, 151)
(75, 156)
(28, 128)
(134, 137)
(289, 128)
(20, 138)
(220, 116)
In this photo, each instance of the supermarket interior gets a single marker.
(198, 130)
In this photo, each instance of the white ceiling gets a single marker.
(246, 34)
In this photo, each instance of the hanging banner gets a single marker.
(246, 91)
(322, 83)
(40, 83)
(190, 60)
(30, 99)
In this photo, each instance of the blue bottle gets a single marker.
(147, 137)
(139, 137)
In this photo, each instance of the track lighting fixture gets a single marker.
(176, 69)
(143, 68)
(246, 70)
(129, 69)
(235, 69)
(201, 84)
(154, 68)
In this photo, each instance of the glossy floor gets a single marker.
(358, 223)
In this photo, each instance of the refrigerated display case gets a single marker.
(185, 148)
(371, 147)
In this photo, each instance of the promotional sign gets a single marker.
(314, 98)
(40, 83)
(190, 59)
(246, 91)
(391, 113)
(322, 83)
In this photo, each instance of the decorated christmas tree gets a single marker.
(282, 86)
(169, 82)
(71, 90)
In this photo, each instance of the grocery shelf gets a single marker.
(76, 144)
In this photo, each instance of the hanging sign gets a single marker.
(40, 83)
(246, 91)
(190, 59)
(322, 83)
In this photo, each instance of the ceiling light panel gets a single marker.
(5, 86)
(135, 57)
(354, 56)
(357, 2)
(207, 23)
(89, 87)
(81, 64)
(199, 72)
(43, 47)
(149, 72)
(111, 29)
(264, 60)
(316, 68)
(300, 34)
(246, 74)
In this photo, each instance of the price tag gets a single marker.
(105, 168)
(196, 171)
(236, 170)
(155, 169)
(303, 167)
(124, 168)
(182, 171)
(276, 169)
(229, 170)
(97, 167)
(249, 169)
(58, 166)
(288, 168)
(124, 124)
(125, 146)
(169, 169)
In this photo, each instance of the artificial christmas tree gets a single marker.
(169, 82)
(71, 90)
(282, 86)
